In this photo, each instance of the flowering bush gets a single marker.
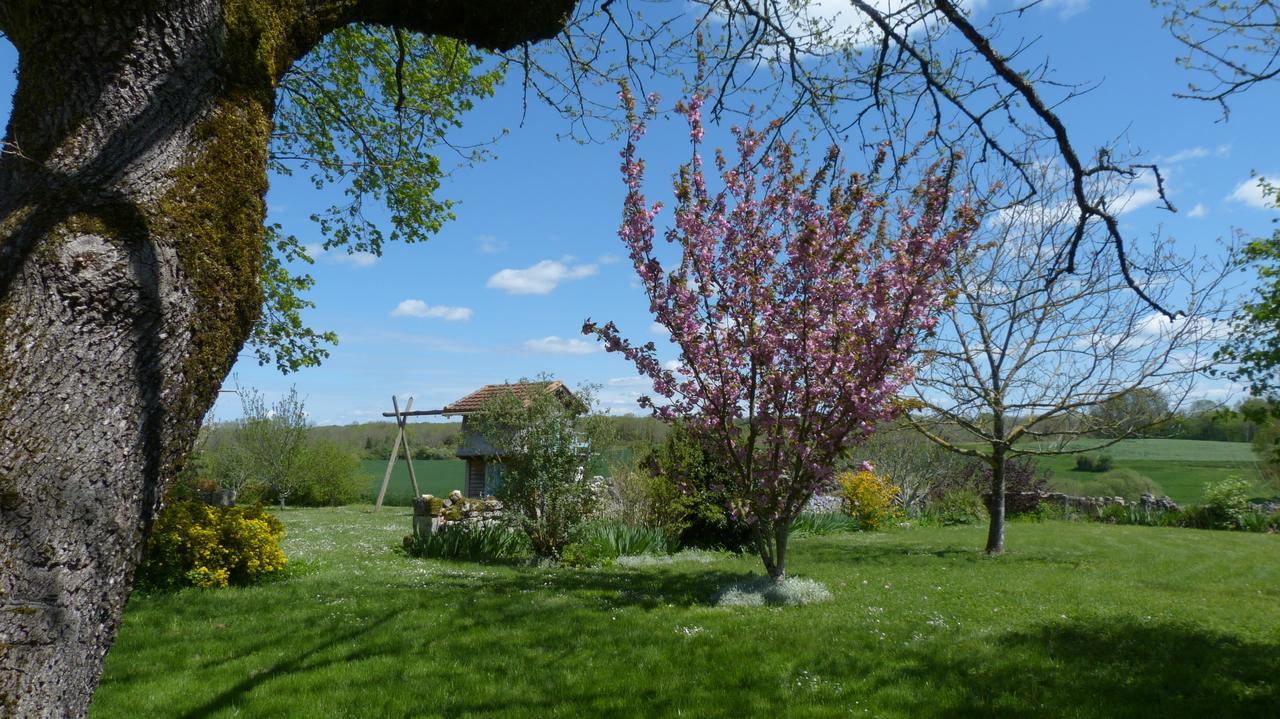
(867, 497)
(797, 304)
(195, 544)
(1226, 502)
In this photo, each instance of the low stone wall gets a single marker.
(1095, 505)
(1265, 507)
(432, 514)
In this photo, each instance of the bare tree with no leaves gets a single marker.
(1019, 365)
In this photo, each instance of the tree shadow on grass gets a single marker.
(644, 588)
(301, 662)
(847, 554)
(1103, 668)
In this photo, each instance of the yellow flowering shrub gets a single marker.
(867, 497)
(199, 545)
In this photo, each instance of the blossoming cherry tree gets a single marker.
(797, 306)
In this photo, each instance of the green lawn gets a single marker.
(435, 476)
(1078, 620)
(1180, 466)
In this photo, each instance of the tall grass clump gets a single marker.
(603, 541)
(817, 524)
(494, 542)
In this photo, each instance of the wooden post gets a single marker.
(401, 420)
(408, 452)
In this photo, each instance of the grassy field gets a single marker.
(436, 476)
(1078, 620)
(1180, 466)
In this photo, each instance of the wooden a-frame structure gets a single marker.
(402, 439)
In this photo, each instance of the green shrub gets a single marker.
(638, 497)
(1226, 501)
(468, 542)
(1114, 514)
(603, 541)
(1254, 521)
(963, 506)
(1093, 463)
(1117, 483)
(622, 540)
(575, 554)
(432, 453)
(330, 475)
(195, 544)
(543, 439)
(821, 523)
(695, 474)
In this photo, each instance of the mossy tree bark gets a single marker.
(131, 208)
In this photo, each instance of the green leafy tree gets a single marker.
(271, 439)
(368, 111)
(1253, 349)
(1141, 410)
(544, 439)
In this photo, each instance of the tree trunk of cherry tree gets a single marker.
(131, 207)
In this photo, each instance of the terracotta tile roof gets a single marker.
(475, 401)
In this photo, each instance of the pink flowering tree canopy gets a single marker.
(797, 305)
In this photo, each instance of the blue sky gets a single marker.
(502, 291)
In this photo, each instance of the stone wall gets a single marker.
(432, 514)
(1094, 505)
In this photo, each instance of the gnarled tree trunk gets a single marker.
(131, 208)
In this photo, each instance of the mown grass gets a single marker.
(435, 476)
(1078, 620)
(1181, 467)
(1177, 450)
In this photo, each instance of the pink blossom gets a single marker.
(797, 306)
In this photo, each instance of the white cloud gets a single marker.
(1191, 153)
(489, 245)
(539, 279)
(1066, 8)
(1249, 192)
(1198, 211)
(1144, 191)
(418, 308)
(355, 259)
(316, 251)
(560, 346)
(608, 259)
(658, 329)
(671, 365)
(1157, 326)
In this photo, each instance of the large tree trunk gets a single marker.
(131, 208)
